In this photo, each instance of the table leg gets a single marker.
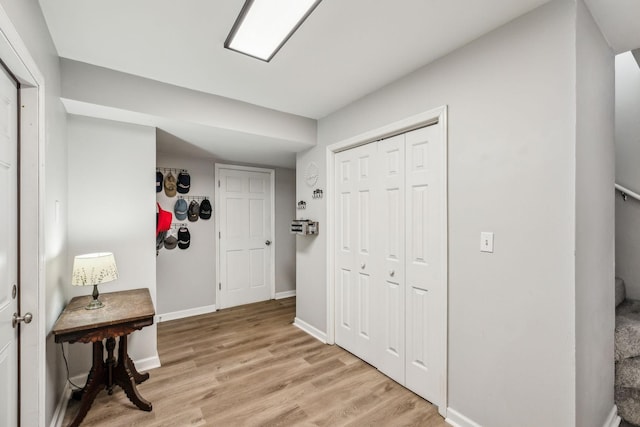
(95, 382)
(122, 350)
(123, 376)
(111, 363)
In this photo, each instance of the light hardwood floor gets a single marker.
(249, 366)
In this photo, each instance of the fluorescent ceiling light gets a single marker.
(264, 26)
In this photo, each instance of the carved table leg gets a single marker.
(111, 363)
(124, 377)
(95, 382)
(122, 350)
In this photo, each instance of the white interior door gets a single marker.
(355, 241)
(246, 231)
(426, 235)
(8, 250)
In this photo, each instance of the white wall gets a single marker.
(627, 125)
(628, 244)
(285, 242)
(27, 18)
(627, 136)
(511, 97)
(595, 168)
(186, 278)
(228, 129)
(111, 170)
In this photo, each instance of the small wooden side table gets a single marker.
(123, 313)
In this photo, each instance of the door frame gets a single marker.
(32, 340)
(436, 117)
(216, 210)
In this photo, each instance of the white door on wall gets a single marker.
(8, 250)
(246, 230)
(356, 198)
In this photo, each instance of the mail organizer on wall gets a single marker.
(304, 227)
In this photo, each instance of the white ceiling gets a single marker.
(618, 21)
(345, 50)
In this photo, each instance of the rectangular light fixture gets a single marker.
(264, 26)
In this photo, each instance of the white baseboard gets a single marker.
(144, 365)
(61, 409)
(185, 313)
(285, 294)
(78, 380)
(314, 332)
(613, 420)
(456, 419)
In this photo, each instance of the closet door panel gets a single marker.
(391, 257)
(365, 294)
(345, 321)
(345, 252)
(419, 356)
(425, 324)
(366, 303)
(364, 223)
(419, 236)
(355, 200)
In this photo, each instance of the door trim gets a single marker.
(216, 210)
(436, 117)
(18, 60)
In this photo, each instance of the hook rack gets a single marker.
(194, 197)
(179, 225)
(176, 170)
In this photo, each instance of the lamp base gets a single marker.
(95, 302)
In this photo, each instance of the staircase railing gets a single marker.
(625, 192)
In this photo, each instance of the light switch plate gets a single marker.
(486, 241)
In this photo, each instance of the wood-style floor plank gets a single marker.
(249, 366)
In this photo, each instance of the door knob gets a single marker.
(392, 273)
(268, 242)
(363, 265)
(17, 319)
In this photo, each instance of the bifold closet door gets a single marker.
(426, 237)
(390, 257)
(355, 298)
(370, 293)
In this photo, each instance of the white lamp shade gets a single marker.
(94, 269)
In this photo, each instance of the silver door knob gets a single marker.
(27, 318)
(392, 273)
(268, 242)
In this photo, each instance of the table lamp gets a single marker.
(92, 270)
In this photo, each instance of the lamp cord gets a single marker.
(66, 364)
